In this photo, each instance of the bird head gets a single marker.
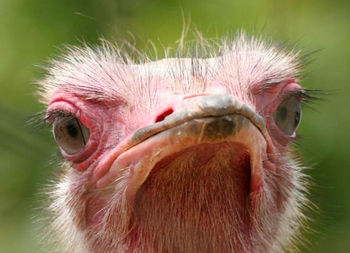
(176, 155)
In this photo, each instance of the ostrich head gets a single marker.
(179, 154)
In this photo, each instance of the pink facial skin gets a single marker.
(152, 179)
(269, 101)
(91, 114)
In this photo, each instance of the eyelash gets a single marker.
(307, 96)
(52, 115)
(46, 118)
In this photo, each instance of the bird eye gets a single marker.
(70, 134)
(288, 115)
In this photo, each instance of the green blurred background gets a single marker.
(32, 31)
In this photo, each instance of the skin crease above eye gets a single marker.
(183, 154)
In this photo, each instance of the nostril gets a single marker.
(164, 114)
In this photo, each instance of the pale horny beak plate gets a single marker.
(205, 119)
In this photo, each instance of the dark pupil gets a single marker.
(72, 128)
(297, 116)
(282, 113)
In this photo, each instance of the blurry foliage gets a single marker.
(32, 31)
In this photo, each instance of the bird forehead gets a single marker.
(105, 74)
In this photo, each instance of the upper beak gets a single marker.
(202, 119)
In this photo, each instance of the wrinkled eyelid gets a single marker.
(51, 116)
(299, 94)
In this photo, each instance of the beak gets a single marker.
(208, 119)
